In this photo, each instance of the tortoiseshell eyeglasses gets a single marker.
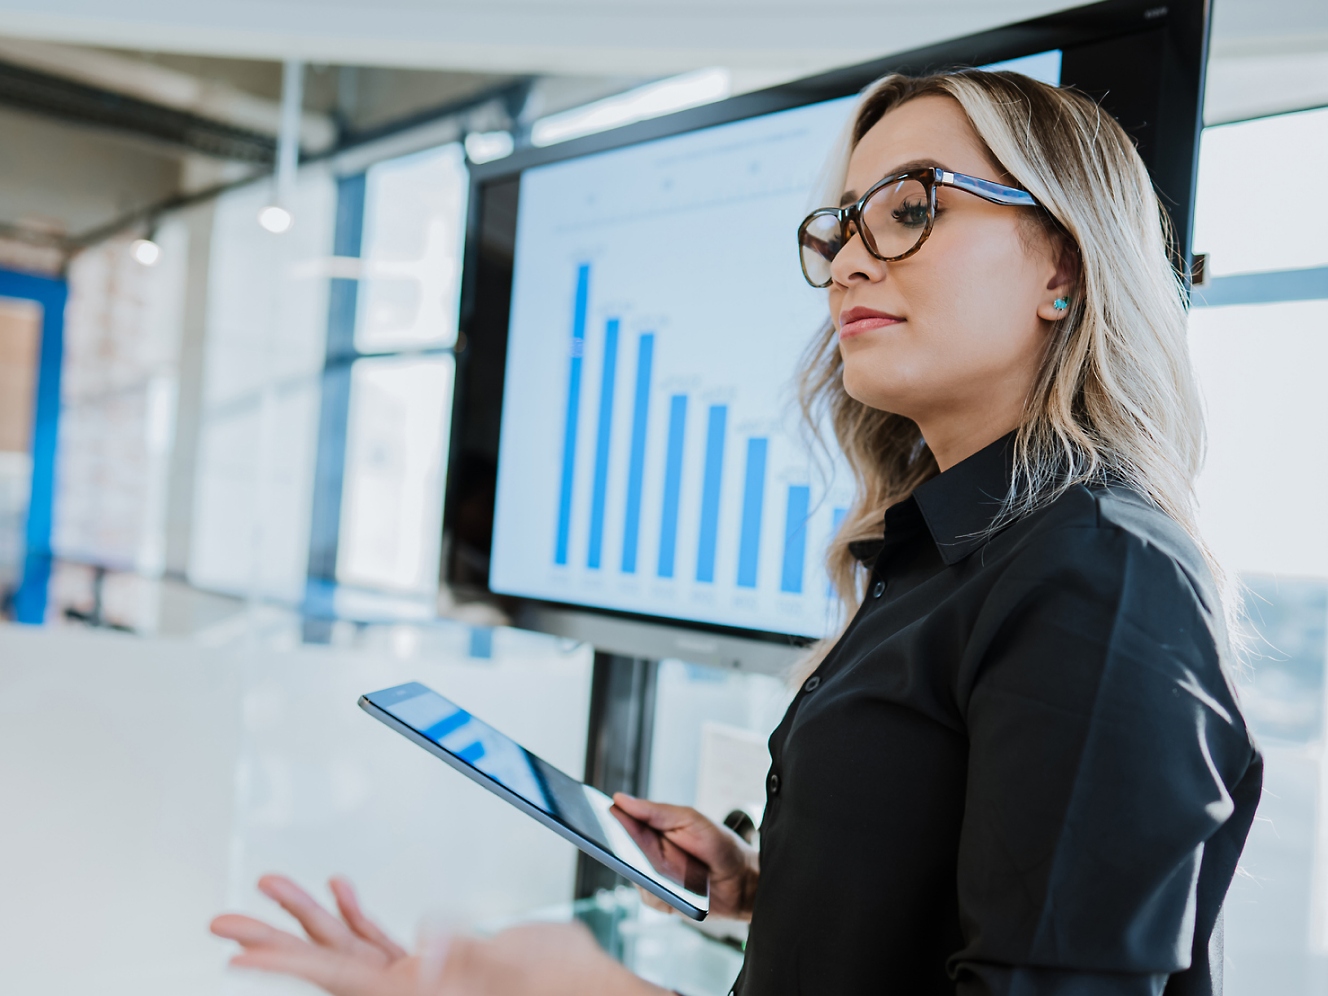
(894, 218)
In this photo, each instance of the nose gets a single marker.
(853, 264)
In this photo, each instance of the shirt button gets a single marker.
(878, 589)
(812, 683)
(772, 783)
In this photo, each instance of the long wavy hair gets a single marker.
(1115, 399)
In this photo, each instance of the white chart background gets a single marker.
(692, 239)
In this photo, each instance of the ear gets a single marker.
(1058, 296)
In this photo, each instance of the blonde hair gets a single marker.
(1115, 399)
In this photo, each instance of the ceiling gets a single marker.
(1267, 54)
(549, 36)
(582, 37)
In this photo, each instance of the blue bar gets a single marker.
(645, 355)
(668, 526)
(753, 496)
(601, 485)
(573, 411)
(714, 474)
(795, 538)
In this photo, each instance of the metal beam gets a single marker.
(42, 93)
(211, 99)
(1310, 284)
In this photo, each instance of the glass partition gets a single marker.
(1261, 362)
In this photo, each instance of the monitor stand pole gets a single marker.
(622, 715)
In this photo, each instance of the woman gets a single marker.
(1020, 768)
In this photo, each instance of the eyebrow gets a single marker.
(852, 195)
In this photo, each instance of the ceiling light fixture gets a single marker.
(486, 146)
(145, 251)
(650, 101)
(277, 217)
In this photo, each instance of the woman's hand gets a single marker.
(734, 864)
(352, 956)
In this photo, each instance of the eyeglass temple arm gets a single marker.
(997, 193)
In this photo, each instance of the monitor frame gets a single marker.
(1158, 100)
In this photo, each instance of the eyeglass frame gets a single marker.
(930, 177)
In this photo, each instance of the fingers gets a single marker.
(252, 933)
(317, 922)
(659, 815)
(718, 847)
(349, 905)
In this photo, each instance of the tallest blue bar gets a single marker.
(573, 412)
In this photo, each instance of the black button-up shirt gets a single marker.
(1020, 771)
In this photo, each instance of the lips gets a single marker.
(856, 321)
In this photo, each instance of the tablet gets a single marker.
(578, 812)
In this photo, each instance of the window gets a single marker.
(266, 333)
(399, 404)
(1259, 337)
(396, 447)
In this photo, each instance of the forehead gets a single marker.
(932, 129)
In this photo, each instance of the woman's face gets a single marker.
(950, 337)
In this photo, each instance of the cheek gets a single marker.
(990, 267)
(977, 297)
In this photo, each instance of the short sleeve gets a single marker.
(1105, 747)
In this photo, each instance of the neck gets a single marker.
(951, 443)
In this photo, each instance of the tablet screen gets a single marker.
(586, 811)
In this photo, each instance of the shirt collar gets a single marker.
(960, 505)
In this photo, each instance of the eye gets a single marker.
(911, 213)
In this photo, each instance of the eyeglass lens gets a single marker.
(895, 218)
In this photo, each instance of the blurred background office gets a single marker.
(227, 369)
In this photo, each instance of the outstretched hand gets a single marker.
(734, 864)
(352, 956)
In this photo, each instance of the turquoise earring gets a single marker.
(1061, 303)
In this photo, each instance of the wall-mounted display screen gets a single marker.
(652, 455)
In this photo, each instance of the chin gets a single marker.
(871, 393)
(868, 379)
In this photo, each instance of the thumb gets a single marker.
(642, 809)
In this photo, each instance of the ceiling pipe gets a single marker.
(167, 87)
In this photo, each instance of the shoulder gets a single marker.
(1104, 582)
(1105, 576)
(1113, 540)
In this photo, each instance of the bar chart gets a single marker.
(652, 458)
(793, 557)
